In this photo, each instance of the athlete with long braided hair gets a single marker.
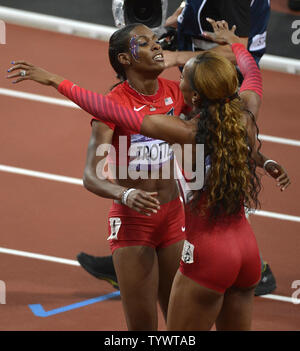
(220, 263)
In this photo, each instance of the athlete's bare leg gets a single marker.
(192, 307)
(168, 262)
(137, 273)
(236, 313)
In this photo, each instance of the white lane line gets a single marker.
(282, 298)
(56, 24)
(77, 181)
(38, 256)
(75, 263)
(276, 215)
(67, 103)
(42, 175)
(36, 97)
(278, 140)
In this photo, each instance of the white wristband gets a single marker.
(268, 161)
(125, 195)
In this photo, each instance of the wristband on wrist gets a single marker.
(266, 162)
(125, 195)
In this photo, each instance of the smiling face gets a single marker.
(145, 53)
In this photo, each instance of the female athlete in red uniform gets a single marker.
(145, 223)
(146, 249)
(220, 263)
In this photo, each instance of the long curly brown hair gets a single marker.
(232, 181)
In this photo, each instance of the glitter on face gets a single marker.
(134, 47)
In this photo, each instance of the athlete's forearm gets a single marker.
(102, 107)
(248, 67)
(226, 51)
(178, 58)
(259, 158)
(102, 187)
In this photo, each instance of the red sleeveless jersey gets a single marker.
(135, 150)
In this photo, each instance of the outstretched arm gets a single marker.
(169, 128)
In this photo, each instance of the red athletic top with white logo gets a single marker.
(138, 151)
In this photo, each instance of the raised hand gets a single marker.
(26, 71)
(222, 35)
